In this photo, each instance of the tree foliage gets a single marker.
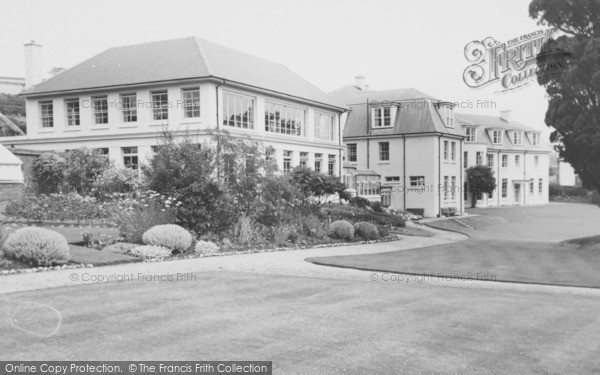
(49, 172)
(573, 87)
(480, 180)
(83, 167)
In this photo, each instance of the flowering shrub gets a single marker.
(366, 231)
(341, 229)
(135, 213)
(117, 180)
(36, 246)
(170, 236)
(121, 247)
(206, 247)
(49, 171)
(151, 252)
(56, 207)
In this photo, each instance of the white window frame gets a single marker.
(47, 114)
(453, 187)
(304, 159)
(504, 163)
(479, 158)
(318, 163)
(497, 137)
(381, 151)
(130, 152)
(324, 126)
(129, 107)
(279, 126)
(536, 161)
(235, 105)
(540, 185)
(417, 181)
(190, 102)
(518, 138)
(352, 146)
(504, 188)
(446, 150)
(453, 151)
(490, 160)
(331, 161)
(517, 160)
(381, 116)
(535, 139)
(465, 159)
(160, 105)
(100, 111)
(288, 157)
(73, 112)
(471, 133)
(446, 184)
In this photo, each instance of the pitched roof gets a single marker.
(485, 122)
(7, 158)
(416, 114)
(353, 95)
(179, 59)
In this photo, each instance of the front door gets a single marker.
(518, 193)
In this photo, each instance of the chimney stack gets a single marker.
(361, 82)
(505, 115)
(33, 64)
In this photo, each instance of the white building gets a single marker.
(11, 85)
(411, 140)
(516, 153)
(118, 101)
(567, 175)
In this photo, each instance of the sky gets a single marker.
(393, 43)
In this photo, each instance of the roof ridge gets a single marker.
(203, 56)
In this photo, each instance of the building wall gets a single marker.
(145, 131)
(13, 86)
(421, 159)
(518, 177)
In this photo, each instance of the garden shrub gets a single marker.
(206, 247)
(313, 226)
(284, 233)
(4, 233)
(170, 236)
(137, 212)
(37, 246)
(341, 229)
(359, 202)
(117, 180)
(83, 167)
(366, 231)
(243, 231)
(151, 252)
(377, 207)
(56, 207)
(49, 172)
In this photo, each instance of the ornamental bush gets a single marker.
(366, 231)
(341, 229)
(206, 247)
(170, 236)
(117, 180)
(36, 246)
(151, 252)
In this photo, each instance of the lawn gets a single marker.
(518, 244)
(493, 260)
(307, 326)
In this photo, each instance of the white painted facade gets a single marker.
(143, 133)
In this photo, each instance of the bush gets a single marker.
(366, 231)
(206, 247)
(137, 212)
(49, 171)
(377, 207)
(37, 246)
(117, 180)
(4, 233)
(313, 226)
(284, 233)
(83, 167)
(56, 207)
(151, 252)
(341, 229)
(359, 202)
(170, 236)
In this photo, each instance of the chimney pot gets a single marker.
(361, 82)
(505, 115)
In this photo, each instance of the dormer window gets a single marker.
(535, 139)
(471, 134)
(497, 137)
(517, 138)
(382, 117)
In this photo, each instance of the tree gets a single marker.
(569, 69)
(49, 172)
(83, 167)
(317, 187)
(480, 180)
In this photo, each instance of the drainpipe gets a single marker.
(499, 180)
(218, 128)
(462, 172)
(368, 135)
(439, 175)
(340, 142)
(525, 174)
(404, 171)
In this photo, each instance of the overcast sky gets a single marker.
(393, 43)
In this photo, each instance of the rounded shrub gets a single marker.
(206, 247)
(170, 236)
(36, 246)
(151, 251)
(341, 229)
(366, 231)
